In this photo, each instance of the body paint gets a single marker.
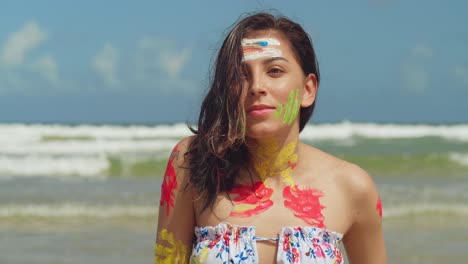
(168, 250)
(200, 258)
(260, 48)
(276, 161)
(291, 108)
(295, 108)
(259, 42)
(251, 200)
(278, 111)
(288, 106)
(379, 206)
(305, 204)
(169, 182)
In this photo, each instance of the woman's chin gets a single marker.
(263, 130)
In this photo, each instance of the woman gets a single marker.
(243, 189)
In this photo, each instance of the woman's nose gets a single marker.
(257, 86)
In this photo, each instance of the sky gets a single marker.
(148, 62)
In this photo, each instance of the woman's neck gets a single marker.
(274, 157)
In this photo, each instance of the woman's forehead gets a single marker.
(269, 33)
(265, 44)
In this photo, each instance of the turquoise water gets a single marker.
(90, 194)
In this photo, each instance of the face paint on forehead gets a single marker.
(260, 48)
(262, 42)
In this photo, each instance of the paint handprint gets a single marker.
(305, 204)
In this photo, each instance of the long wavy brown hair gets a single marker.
(218, 150)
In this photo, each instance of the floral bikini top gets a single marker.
(228, 243)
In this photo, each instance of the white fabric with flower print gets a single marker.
(228, 243)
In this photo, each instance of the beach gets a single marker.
(90, 194)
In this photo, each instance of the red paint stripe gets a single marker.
(169, 183)
(305, 204)
(257, 195)
(379, 206)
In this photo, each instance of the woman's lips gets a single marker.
(260, 112)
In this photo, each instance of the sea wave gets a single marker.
(86, 148)
(76, 210)
(420, 209)
(348, 130)
(104, 165)
(113, 211)
(37, 132)
(108, 150)
(97, 166)
(460, 158)
(53, 166)
(322, 131)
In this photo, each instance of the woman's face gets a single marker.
(275, 83)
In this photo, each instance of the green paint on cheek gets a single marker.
(287, 110)
(290, 110)
(279, 111)
(295, 108)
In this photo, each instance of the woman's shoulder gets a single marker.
(184, 143)
(354, 179)
(181, 148)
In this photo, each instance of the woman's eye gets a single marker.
(245, 73)
(275, 71)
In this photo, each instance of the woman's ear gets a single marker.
(310, 90)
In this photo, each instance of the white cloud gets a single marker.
(46, 66)
(156, 56)
(461, 73)
(422, 51)
(105, 64)
(173, 62)
(382, 3)
(20, 42)
(414, 74)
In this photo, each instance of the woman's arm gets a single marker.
(364, 242)
(176, 219)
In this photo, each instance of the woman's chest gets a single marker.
(270, 207)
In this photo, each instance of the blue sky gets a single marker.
(148, 61)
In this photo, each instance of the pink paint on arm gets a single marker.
(379, 206)
(305, 204)
(169, 183)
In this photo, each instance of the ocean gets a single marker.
(90, 193)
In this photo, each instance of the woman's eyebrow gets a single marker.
(274, 59)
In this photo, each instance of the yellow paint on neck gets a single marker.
(168, 250)
(273, 161)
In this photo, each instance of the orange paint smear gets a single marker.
(169, 183)
(305, 204)
(246, 50)
(253, 200)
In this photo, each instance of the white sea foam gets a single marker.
(76, 210)
(10, 133)
(76, 147)
(85, 149)
(33, 133)
(53, 166)
(110, 211)
(346, 130)
(461, 158)
(424, 209)
(79, 150)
